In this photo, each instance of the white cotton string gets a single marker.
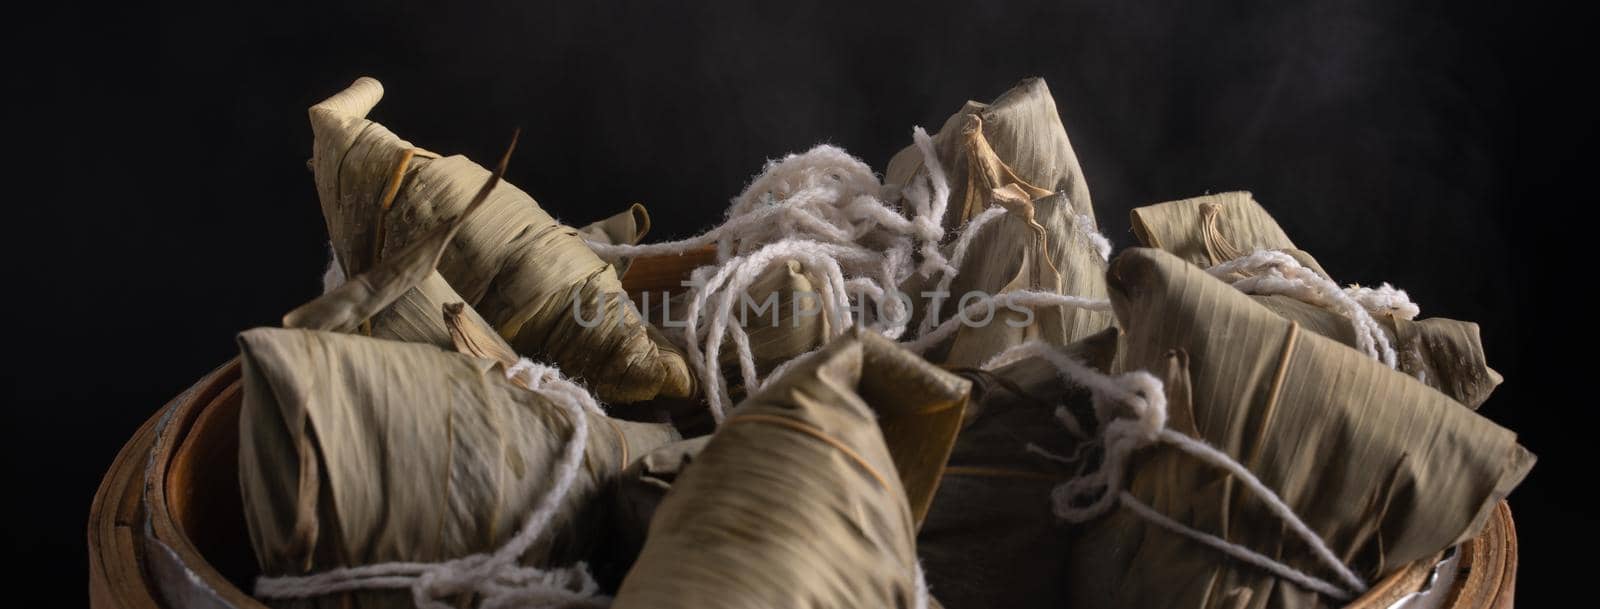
(1211, 456)
(1041, 451)
(1131, 409)
(821, 208)
(930, 212)
(1101, 244)
(958, 256)
(1081, 222)
(1016, 353)
(1070, 370)
(1274, 272)
(921, 591)
(334, 276)
(1077, 454)
(1385, 300)
(805, 193)
(782, 368)
(1242, 553)
(729, 284)
(497, 578)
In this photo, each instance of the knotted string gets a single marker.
(824, 209)
(1131, 410)
(828, 211)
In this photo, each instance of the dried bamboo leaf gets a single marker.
(993, 504)
(625, 228)
(784, 320)
(325, 484)
(1214, 229)
(375, 288)
(1446, 354)
(522, 270)
(1024, 132)
(470, 335)
(781, 318)
(1037, 245)
(1383, 468)
(975, 343)
(638, 492)
(423, 315)
(1442, 353)
(401, 297)
(798, 500)
(1044, 242)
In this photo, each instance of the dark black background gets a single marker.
(163, 202)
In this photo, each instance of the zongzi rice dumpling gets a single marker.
(797, 501)
(358, 451)
(1381, 468)
(1213, 229)
(1027, 139)
(1445, 354)
(1027, 227)
(533, 278)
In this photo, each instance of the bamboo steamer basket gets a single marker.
(167, 531)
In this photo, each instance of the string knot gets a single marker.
(1143, 404)
(1132, 411)
(532, 375)
(928, 228)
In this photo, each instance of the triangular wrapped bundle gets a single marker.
(357, 451)
(1012, 154)
(1213, 229)
(533, 278)
(1446, 354)
(1025, 133)
(807, 495)
(403, 298)
(993, 504)
(1381, 468)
